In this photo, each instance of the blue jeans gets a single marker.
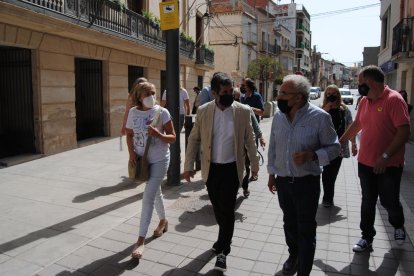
(299, 200)
(153, 195)
(387, 187)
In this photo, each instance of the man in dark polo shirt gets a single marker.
(253, 99)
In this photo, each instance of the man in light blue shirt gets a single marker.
(206, 95)
(302, 140)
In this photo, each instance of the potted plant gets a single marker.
(151, 19)
(207, 49)
(121, 6)
(186, 37)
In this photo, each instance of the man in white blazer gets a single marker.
(223, 130)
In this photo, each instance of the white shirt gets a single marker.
(183, 97)
(223, 136)
(138, 121)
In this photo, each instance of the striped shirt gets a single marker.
(311, 130)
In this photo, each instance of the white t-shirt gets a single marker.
(138, 121)
(183, 97)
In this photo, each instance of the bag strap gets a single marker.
(153, 123)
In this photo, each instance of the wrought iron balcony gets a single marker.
(109, 17)
(204, 56)
(402, 40)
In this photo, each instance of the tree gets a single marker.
(265, 69)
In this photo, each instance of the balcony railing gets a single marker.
(108, 16)
(402, 40)
(300, 45)
(204, 56)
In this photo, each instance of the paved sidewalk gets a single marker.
(75, 213)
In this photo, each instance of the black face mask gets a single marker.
(226, 100)
(283, 106)
(332, 98)
(363, 89)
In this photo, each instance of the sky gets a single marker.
(343, 36)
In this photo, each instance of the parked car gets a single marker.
(347, 96)
(315, 92)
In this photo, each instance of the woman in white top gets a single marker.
(138, 129)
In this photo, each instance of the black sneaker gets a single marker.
(399, 235)
(327, 204)
(361, 245)
(221, 263)
(290, 266)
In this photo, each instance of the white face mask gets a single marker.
(149, 101)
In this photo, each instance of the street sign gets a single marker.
(169, 15)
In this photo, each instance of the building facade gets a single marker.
(66, 67)
(397, 46)
(297, 20)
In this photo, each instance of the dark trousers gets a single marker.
(222, 185)
(246, 178)
(329, 174)
(245, 183)
(387, 187)
(298, 199)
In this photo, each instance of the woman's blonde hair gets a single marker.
(337, 93)
(138, 80)
(139, 89)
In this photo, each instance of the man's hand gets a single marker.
(271, 184)
(354, 149)
(188, 175)
(380, 165)
(262, 142)
(254, 174)
(301, 157)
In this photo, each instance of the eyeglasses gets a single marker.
(283, 93)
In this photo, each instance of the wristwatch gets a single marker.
(385, 156)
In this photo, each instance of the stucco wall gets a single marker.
(54, 83)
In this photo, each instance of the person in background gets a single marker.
(206, 95)
(341, 117)
(404, 94)
(383, 118)
(130, 103)
(138, 129)
(196, 103)
(236, 94)
(253, 99)
(223, 130)
(257, 132)
(184, 105)
(302, 139)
